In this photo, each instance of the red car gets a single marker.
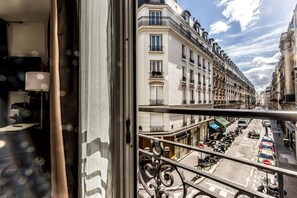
(266, 146)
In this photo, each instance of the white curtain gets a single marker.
(95, 101)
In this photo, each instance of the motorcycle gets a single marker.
(253, 134)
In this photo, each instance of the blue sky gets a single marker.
(248, 30)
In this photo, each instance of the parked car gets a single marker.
(267, 156)
(242, 123)
(267, 139)
(266, 123)
(266, 146)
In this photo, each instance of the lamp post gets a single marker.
(39, 82)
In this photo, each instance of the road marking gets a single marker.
(176, 194)
(212, 188)
(220, 188)
(223, 193)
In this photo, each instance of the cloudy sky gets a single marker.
(248, 30)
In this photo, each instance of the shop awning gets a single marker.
(214, 126)
(222, 121)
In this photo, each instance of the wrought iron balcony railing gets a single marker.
(156, 74)
(167, 21)
(156, 128)
(156, 102)
(156, 48)
(157, 172)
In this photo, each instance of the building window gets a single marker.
(192, 101)
(184, 95)
(155, 18)
(156, 43)
(198, 60)
(199, 96)
(191, 57)
(184, 73)
(184, 52)
(156, 69)
(203, 63)
(156, 95)
(209, 69)
(191, 76)
(203, 80)
(199, 79)
(156, 122)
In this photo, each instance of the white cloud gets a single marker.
(261, 72)
(246, 12)
(219, 27)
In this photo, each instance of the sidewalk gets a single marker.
(286, 159)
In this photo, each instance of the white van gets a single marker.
(243, 123)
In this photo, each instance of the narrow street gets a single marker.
(244, 175)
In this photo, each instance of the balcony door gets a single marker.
(156, 42)
(156, 95)
(156, 122)
(155, 17)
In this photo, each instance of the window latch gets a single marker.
(128, 134)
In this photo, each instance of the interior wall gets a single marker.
(27, 39)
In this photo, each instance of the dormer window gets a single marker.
(186, 15)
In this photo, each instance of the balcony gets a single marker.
(157, 169)
(156, 74)
(192, 61)
(192, 81)
(192, 101)
(156, 128)
(156, 48)
(167, 21)
(184, 101)
(156, 102)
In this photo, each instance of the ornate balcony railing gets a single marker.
(156, 128)
(156, 102)
(157, 173)
(156, 74)
(156, 48)
(167, 21)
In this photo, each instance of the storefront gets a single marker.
(223, 123)
(291, 135)
(183, 139)
(195, 136)
(214, 131)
